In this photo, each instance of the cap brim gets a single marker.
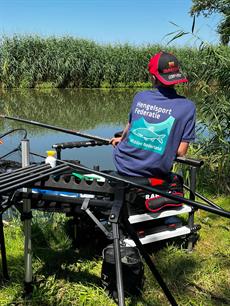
(171, 78)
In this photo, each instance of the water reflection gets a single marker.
(99, 112)
(79, 109)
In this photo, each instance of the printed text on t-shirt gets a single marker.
(152, 111)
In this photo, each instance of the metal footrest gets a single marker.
(164, 213)
(161, 235)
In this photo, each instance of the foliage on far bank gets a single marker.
(29, 61)
(67, 62)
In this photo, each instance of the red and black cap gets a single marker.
(165, 67)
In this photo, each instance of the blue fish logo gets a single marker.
(148, 134)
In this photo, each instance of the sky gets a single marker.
(137, 22)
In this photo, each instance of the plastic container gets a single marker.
(89, 177)
(50, 159)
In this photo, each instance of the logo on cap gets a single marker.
(165, 67)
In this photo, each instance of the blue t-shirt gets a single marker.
(159, 120)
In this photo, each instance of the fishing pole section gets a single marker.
(56, 128)
(95, 140)
(98, 141)
(193, 163)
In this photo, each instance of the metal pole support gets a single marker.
(192, 196)
(26, 217)
(117, 256)
(114, 219)
(3, 251)
(58, 150)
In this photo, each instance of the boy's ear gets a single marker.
(153, 78)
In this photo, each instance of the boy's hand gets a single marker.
(115, 140)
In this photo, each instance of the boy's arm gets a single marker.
(182, 149)
(115, 140)
(188, 134)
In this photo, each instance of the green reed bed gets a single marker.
(30, 61)
(65, 276)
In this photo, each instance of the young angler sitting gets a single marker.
(161, 124)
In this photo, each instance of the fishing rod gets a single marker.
(189, 202)
(14, 130)
(78, 133)
(56, 128)
(202, 197)
(18, 147)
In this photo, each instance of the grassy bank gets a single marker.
(67, 62)
(64, 276)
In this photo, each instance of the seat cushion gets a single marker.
(140, 200)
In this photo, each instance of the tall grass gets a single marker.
(212, 84)
(27, 61)
(215, 149)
